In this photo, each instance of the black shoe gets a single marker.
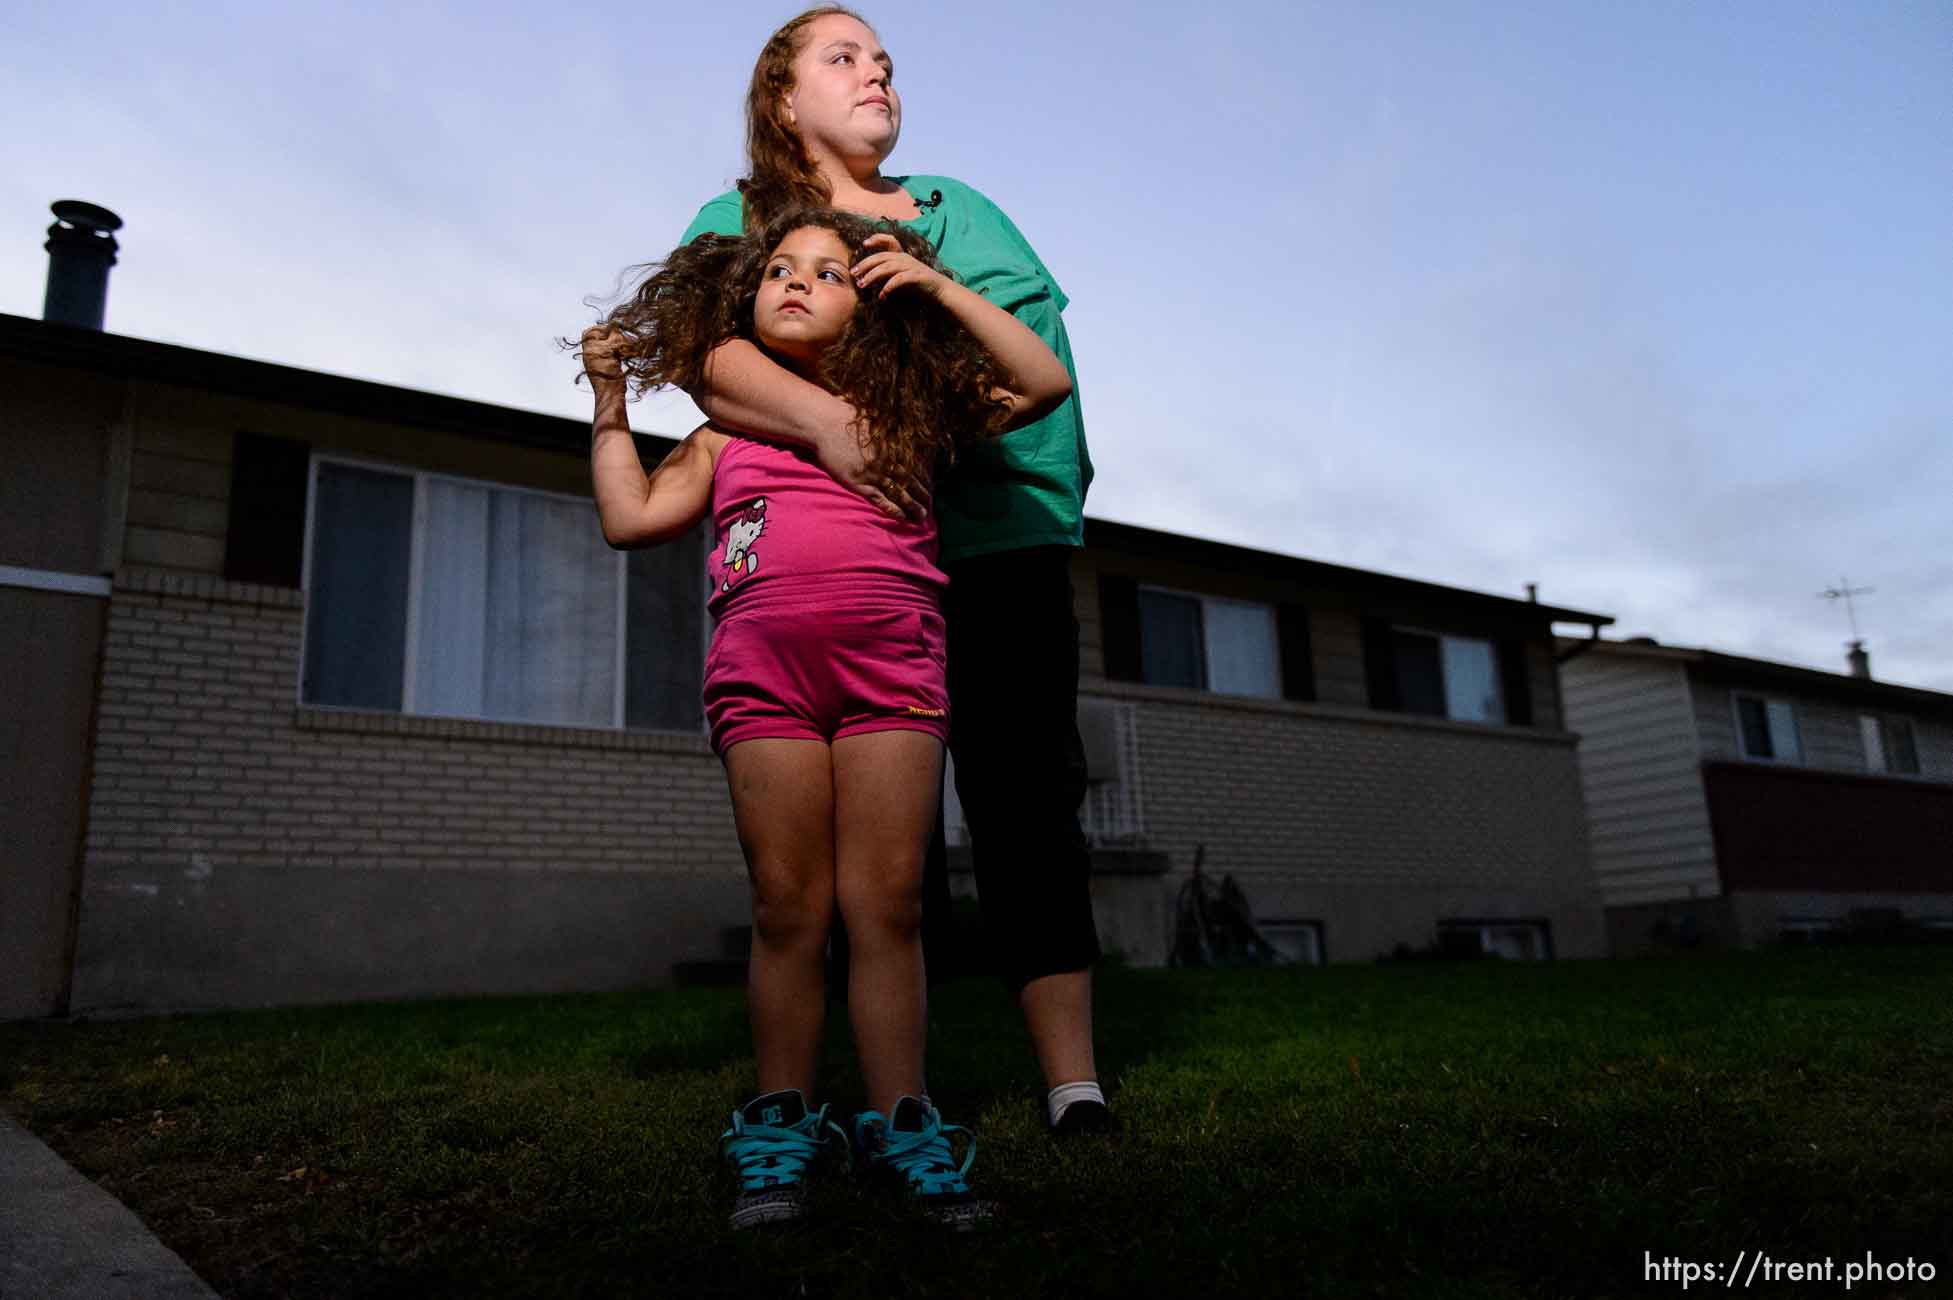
(1085, 1118)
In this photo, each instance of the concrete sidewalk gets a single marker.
(64, 1238)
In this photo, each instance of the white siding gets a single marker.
(1827, 731)
(1715, 720)
(1648, 818)
(1935, 744)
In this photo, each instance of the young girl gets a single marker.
(824, 685)
(823, 115)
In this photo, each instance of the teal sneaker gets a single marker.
(770, 1144)
(913, 1146)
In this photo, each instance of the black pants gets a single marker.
(1020, 767)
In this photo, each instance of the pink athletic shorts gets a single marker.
(819, 668)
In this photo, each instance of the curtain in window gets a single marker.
(1169, 639)
(1242, 654)
(1419, 674)
(1901, 752)
(1471, 681)
(665, 633)
(518, 609)
(1783, 732)
(1869, 733)
(356, 601)
(1755, 724)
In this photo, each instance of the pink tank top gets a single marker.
(786, 529)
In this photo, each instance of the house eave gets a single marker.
(1134, 540)
(1742, 671)
(120, 356)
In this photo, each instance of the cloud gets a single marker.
(1352, 312)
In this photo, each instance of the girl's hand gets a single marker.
(892, 268)
(598, 349)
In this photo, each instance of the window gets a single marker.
(1509, 940)
(442, 596)
(1889, 744)
(1298, 942)
(1767, 729)
(1807, 929)
(1464, 678)
(1207, 643)
(1179, 638)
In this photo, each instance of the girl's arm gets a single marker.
(636, 510)
(1042, 380)
(746, 389)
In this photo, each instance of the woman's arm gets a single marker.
(633, 509)
(746, 389)
(1042, 381)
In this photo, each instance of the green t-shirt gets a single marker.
(1026, 488)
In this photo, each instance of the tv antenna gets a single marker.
(1845, 591)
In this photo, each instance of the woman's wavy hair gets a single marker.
(917, 378)
(783, 176)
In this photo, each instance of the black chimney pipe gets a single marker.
(81, 248)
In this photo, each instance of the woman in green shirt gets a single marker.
(822, 116)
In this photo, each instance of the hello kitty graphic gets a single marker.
(740, 535)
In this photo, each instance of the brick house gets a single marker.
(1379, 762)
(372, 712)
(1740, 801)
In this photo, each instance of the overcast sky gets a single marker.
(1649, 303)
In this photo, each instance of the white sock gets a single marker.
(1062, 1096)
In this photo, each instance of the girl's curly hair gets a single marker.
(917, 379)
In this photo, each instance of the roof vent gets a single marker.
(81, 248)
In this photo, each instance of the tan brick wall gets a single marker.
(1380, 825)
(203, 755)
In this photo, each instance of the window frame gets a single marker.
(1540, 930)
(1736, 697)
(1202, 599)
(416, 549)
(1444, 693)
(1880, 726)
(1310, 926)
(1805, 931)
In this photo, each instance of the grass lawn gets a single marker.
(1476, 1129)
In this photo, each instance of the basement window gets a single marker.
(1299, 942)
(1507, 940)
(1807, 929)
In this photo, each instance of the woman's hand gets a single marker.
(746, 390)
(898, 491)
(892, 268)
(598, 351)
